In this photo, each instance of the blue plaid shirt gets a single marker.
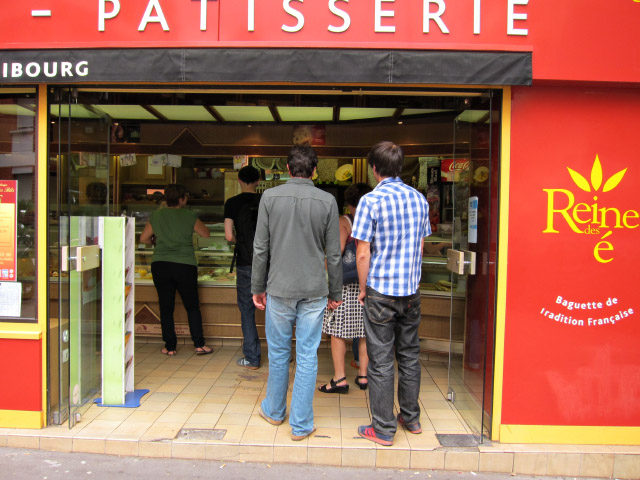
(394, 218)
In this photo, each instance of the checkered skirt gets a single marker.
(346, 321)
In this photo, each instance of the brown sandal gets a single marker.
(171, 353)
(204, 350)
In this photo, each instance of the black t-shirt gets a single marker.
(231, 209)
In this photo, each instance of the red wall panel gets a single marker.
(20, 374)
(568, 364)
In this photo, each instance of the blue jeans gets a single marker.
(281, 316)
(251, 342)
(391, 327)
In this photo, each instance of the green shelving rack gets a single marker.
(117, 236)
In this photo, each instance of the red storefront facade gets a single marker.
(570, 77)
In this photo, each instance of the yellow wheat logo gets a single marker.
(592, 218)
(596, 177)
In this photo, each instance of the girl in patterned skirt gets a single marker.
(347, 321)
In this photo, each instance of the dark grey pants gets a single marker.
(391, 327)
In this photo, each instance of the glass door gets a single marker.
(472, 261)
(83, 180)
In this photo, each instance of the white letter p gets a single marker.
(102, 13)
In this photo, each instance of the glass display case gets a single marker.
(435, 279)
(214, 256)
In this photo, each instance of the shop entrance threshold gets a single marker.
(206, 407)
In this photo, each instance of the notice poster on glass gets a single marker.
(473, 220)
(8, 219)
(10, 298)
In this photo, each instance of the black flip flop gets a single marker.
(203, 351)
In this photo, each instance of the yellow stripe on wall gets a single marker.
(562, 434)
(20, 335)
(503, 237)
(21, 419)
(43, 251)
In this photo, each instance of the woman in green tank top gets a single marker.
(174, 267)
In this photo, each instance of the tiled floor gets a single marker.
(220, 400)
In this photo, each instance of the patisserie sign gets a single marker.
(197, 23)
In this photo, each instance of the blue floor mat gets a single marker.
(131, 399)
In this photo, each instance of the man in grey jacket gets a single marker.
(297, 230)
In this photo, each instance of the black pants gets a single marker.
(169, 277)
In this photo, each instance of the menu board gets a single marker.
(8, 217)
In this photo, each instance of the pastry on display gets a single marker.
(344, 173)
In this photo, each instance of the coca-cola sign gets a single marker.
(450, 168)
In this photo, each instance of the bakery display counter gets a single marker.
(217, 293)
(213, 254)
(218, 305)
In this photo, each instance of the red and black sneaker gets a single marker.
(412, 427)
(367, 431)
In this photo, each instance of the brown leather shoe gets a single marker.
(297, 438)
(269, 419)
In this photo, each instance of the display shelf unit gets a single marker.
(117, 240)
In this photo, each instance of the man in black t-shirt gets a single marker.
(239, 227)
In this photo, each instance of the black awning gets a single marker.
(252, 65)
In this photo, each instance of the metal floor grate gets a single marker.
(201, 433)
(458, 440)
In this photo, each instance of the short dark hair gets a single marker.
(97, 192)
(173, 193)
(387, 157)
(248, 174)
(302, 160)
(355, 192)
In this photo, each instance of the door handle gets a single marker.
(461, 261)
(80, 259)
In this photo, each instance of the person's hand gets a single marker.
(260, 300)
(361, 295)
(333, 304)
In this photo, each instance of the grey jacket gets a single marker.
(297, 228)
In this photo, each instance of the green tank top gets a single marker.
(173, 228)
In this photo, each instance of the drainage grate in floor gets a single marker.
(201, 433)
(457, 440)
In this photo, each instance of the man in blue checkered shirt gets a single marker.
(390, 225)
